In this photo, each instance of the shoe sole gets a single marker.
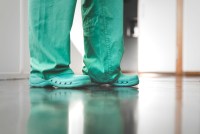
(40, 84)
(126, 84)
(48, 83)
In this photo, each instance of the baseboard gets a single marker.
(129, 72)
(9, 76)
(191, 73)
(168, 74)
(6, 76)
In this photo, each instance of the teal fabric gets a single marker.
(126, 81)
(50, 22)
(61, 81)
(103, 37)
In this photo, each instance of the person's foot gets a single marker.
(60, 81)
(122, 81)
(126, 81)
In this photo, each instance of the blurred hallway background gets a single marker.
(161, 40)
(151, 30)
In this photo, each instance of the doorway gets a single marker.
(130, 58)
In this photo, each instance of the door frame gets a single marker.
(179, 38)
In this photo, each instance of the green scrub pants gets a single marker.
(50, 22)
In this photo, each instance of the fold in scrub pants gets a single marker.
(50, 22)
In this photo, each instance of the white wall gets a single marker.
(9, 36)
(14, 54)
(25, 67)
(157, 39)
(191, 42)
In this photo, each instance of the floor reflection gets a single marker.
(94, 110)
(179, 104)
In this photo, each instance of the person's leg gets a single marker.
(103, 38)
(104, 42)
(50, 22)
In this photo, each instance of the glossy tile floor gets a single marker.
(161, 105)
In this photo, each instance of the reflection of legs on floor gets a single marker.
(55, 111)
(103, 113)
(94, 110)
(45, 116)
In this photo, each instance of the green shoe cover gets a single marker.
(126, 80)
(122, 81)
(61, 81)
